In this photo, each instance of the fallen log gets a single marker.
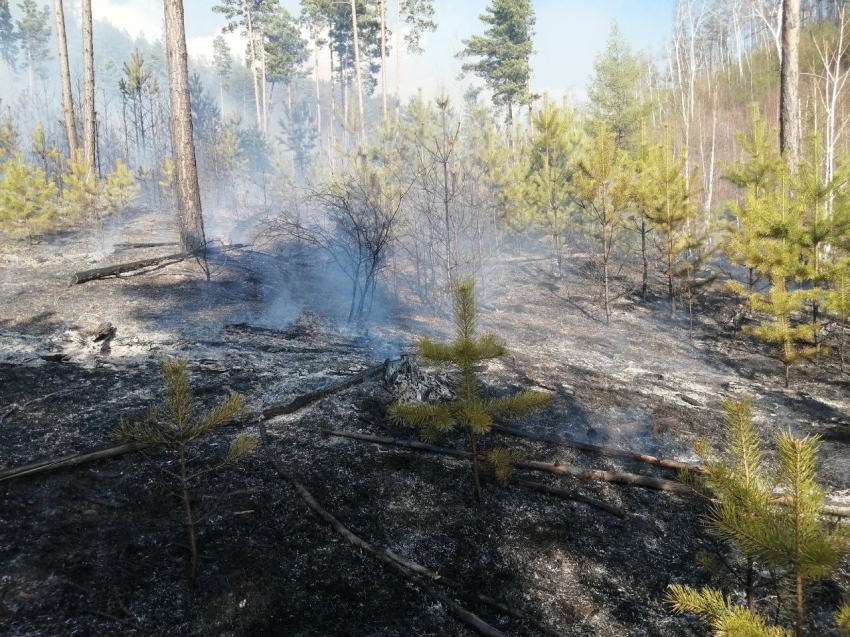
(602, 451)
(630, 479)
(281, 409)
(71, 460)
(276, 409)
(464, 615)
(121, 268)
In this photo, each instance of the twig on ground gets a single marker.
(414, 576)
(117, 620)
(8, 413)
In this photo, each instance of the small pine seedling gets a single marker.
(785, 533)
(176, 427)
(469, 409)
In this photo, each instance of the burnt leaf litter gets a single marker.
(99, 548)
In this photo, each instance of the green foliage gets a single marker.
(9, 136)
(786, 532)
(668, 203)
(28, 199)
(222, 59)
(418, 16)
(782, 224)
(286, 49)
(725, 618)
(842, 619)
(177, 425)
(87, 196)
(34, 35)
(504, 52)
(469, 409)
(838, 298)
(547, 187)
(614, 93)
(500, 461)
(9, 37)
(603, 190)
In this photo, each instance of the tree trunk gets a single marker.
(397, 60)
(789, 110)
(383, 9)
(65, 73)
(89, 142)
(318, 94)
(252, 49)
(361, 124)
(189, 214)
(476, 482)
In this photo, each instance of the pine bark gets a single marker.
(89, 141)
(383, 9)
(361, 124)
(789, 80)
(189, 215)
(65, 73)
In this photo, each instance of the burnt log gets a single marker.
(271, 411)
(629, 479)
(122, 268)
(601, 451)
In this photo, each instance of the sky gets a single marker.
(569, 34)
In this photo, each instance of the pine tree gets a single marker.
(223, 61)
(603, 190)
(548, 185)
(34, 35)
(87, 196)
(786, 533)
(838, 299)
(27, 197)
(469, 409)
(504, 54)
(613, 93)
(9, 137)
(177, 427)
(667, 202)
(9, 37)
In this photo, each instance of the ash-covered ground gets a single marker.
(100, 549)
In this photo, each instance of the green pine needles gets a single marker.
(176, 427)
(469, 409)
(784, 532)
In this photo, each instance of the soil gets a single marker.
(101, 549)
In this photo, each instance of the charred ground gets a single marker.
(84, 548)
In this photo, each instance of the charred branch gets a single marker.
(601, 451)
(468, 618)
(629, 479)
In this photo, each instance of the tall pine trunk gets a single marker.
(65, 73)
(789, 80)
(252, 48)
(361, 124)
(190, 218)
(89, 140)
(383, 9)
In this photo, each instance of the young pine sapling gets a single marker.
(786, 533)
(176, 427)
(469, 409)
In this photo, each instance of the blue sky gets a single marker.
(569, 36)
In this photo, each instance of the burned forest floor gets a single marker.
(100, 548)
